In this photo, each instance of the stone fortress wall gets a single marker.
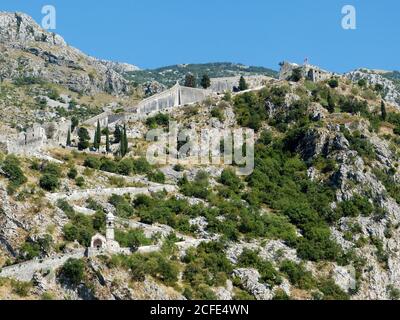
(220, 85)
(41, 136)
(174, 97)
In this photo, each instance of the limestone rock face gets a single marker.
(355, 175)
(19, 29)
(10, 224)
(391, 93)
(47, 56)
(153, 87)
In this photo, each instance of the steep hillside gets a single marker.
(85, 213)
(316, 219)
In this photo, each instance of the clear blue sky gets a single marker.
(256, 32)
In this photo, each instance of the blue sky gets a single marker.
(256, 32)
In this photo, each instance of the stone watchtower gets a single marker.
(110, 221)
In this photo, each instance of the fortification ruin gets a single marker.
(35, 138)
(308, 71)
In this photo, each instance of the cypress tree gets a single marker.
(205, 81)
(69, 138)
(97, 137)
(123, 145)
(125, 141)
(383, 111)
(117, 134)
(108, 149)
(242, 84)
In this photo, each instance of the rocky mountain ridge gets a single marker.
(28, 51)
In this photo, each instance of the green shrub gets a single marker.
(230, 179)
(132, 238)
(92, 162)
(332, 291)
(52, 169)
(298, 275)
(33, 249)
(72, 173)
(333, 83)
(156, 176)
(154, 264)
(80, 228)
(206, 265)
(80, 181)
(125, 167)
(141, 166)
(355, 207)
(12, 168)
(122, 206)
(160, 119)
(73, 271)
(217, 113)
(241, 295)
(280, 295)
(49, 182)
(251, 259)
(21, 288)
(393, 292)
(108, 165)
(199, 188)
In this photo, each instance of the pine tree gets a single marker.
(205, 81)
(383, 111)
(242, 84)
(108, 149)
(69, 138)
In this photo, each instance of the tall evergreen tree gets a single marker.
(108, 149)
(125, 141)
(97, 137)
(383, 111)
(123, 145)
(242, 84)
(190, 81)
(98, 129)
(205, 81)
(84, 138)
(69, 138)
(117, 134)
